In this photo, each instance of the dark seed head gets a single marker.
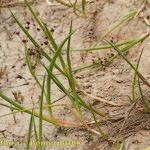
(38, 29)
(105, 60)
(112, 54)
(33, 67)
(19, 76)
(93, 61)
(52, 30)
(46, 42)
(24, 65)
(27, 27)
(24, 41)
(17, 33)
(28, 23)
(32, 53)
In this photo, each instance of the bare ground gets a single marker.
(111, 83)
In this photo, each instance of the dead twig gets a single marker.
(101, 99)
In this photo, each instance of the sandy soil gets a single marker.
(111, 83)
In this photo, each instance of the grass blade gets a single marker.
(96, 122)
(48, 119)
(56, 55)
(39, 48)
(42, 26)
(145, 103)
(122, 20)
(41, 116)
(46, 32)
(35, 131)
(71, 79)
(124, 48)
(131, 65)
(83, 6)
(66, 92)
(103, 47)
(8, 106)
(134, 79)
(55, 47)
(29, 132)
(63, 3)
(29, 64)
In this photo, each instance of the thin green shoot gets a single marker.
(65, 91)
(145, 102)
(56, 55)
(29, 132)
(123, 49)
(29, 64)
(35, 132)
(45, 30)
(39, 48)
(71, 79)
(103, 47)
(84, 7)
(133, 99)
(96, 122)
(41, 115)
(8, 106)
(128, 61)
(119, 22)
